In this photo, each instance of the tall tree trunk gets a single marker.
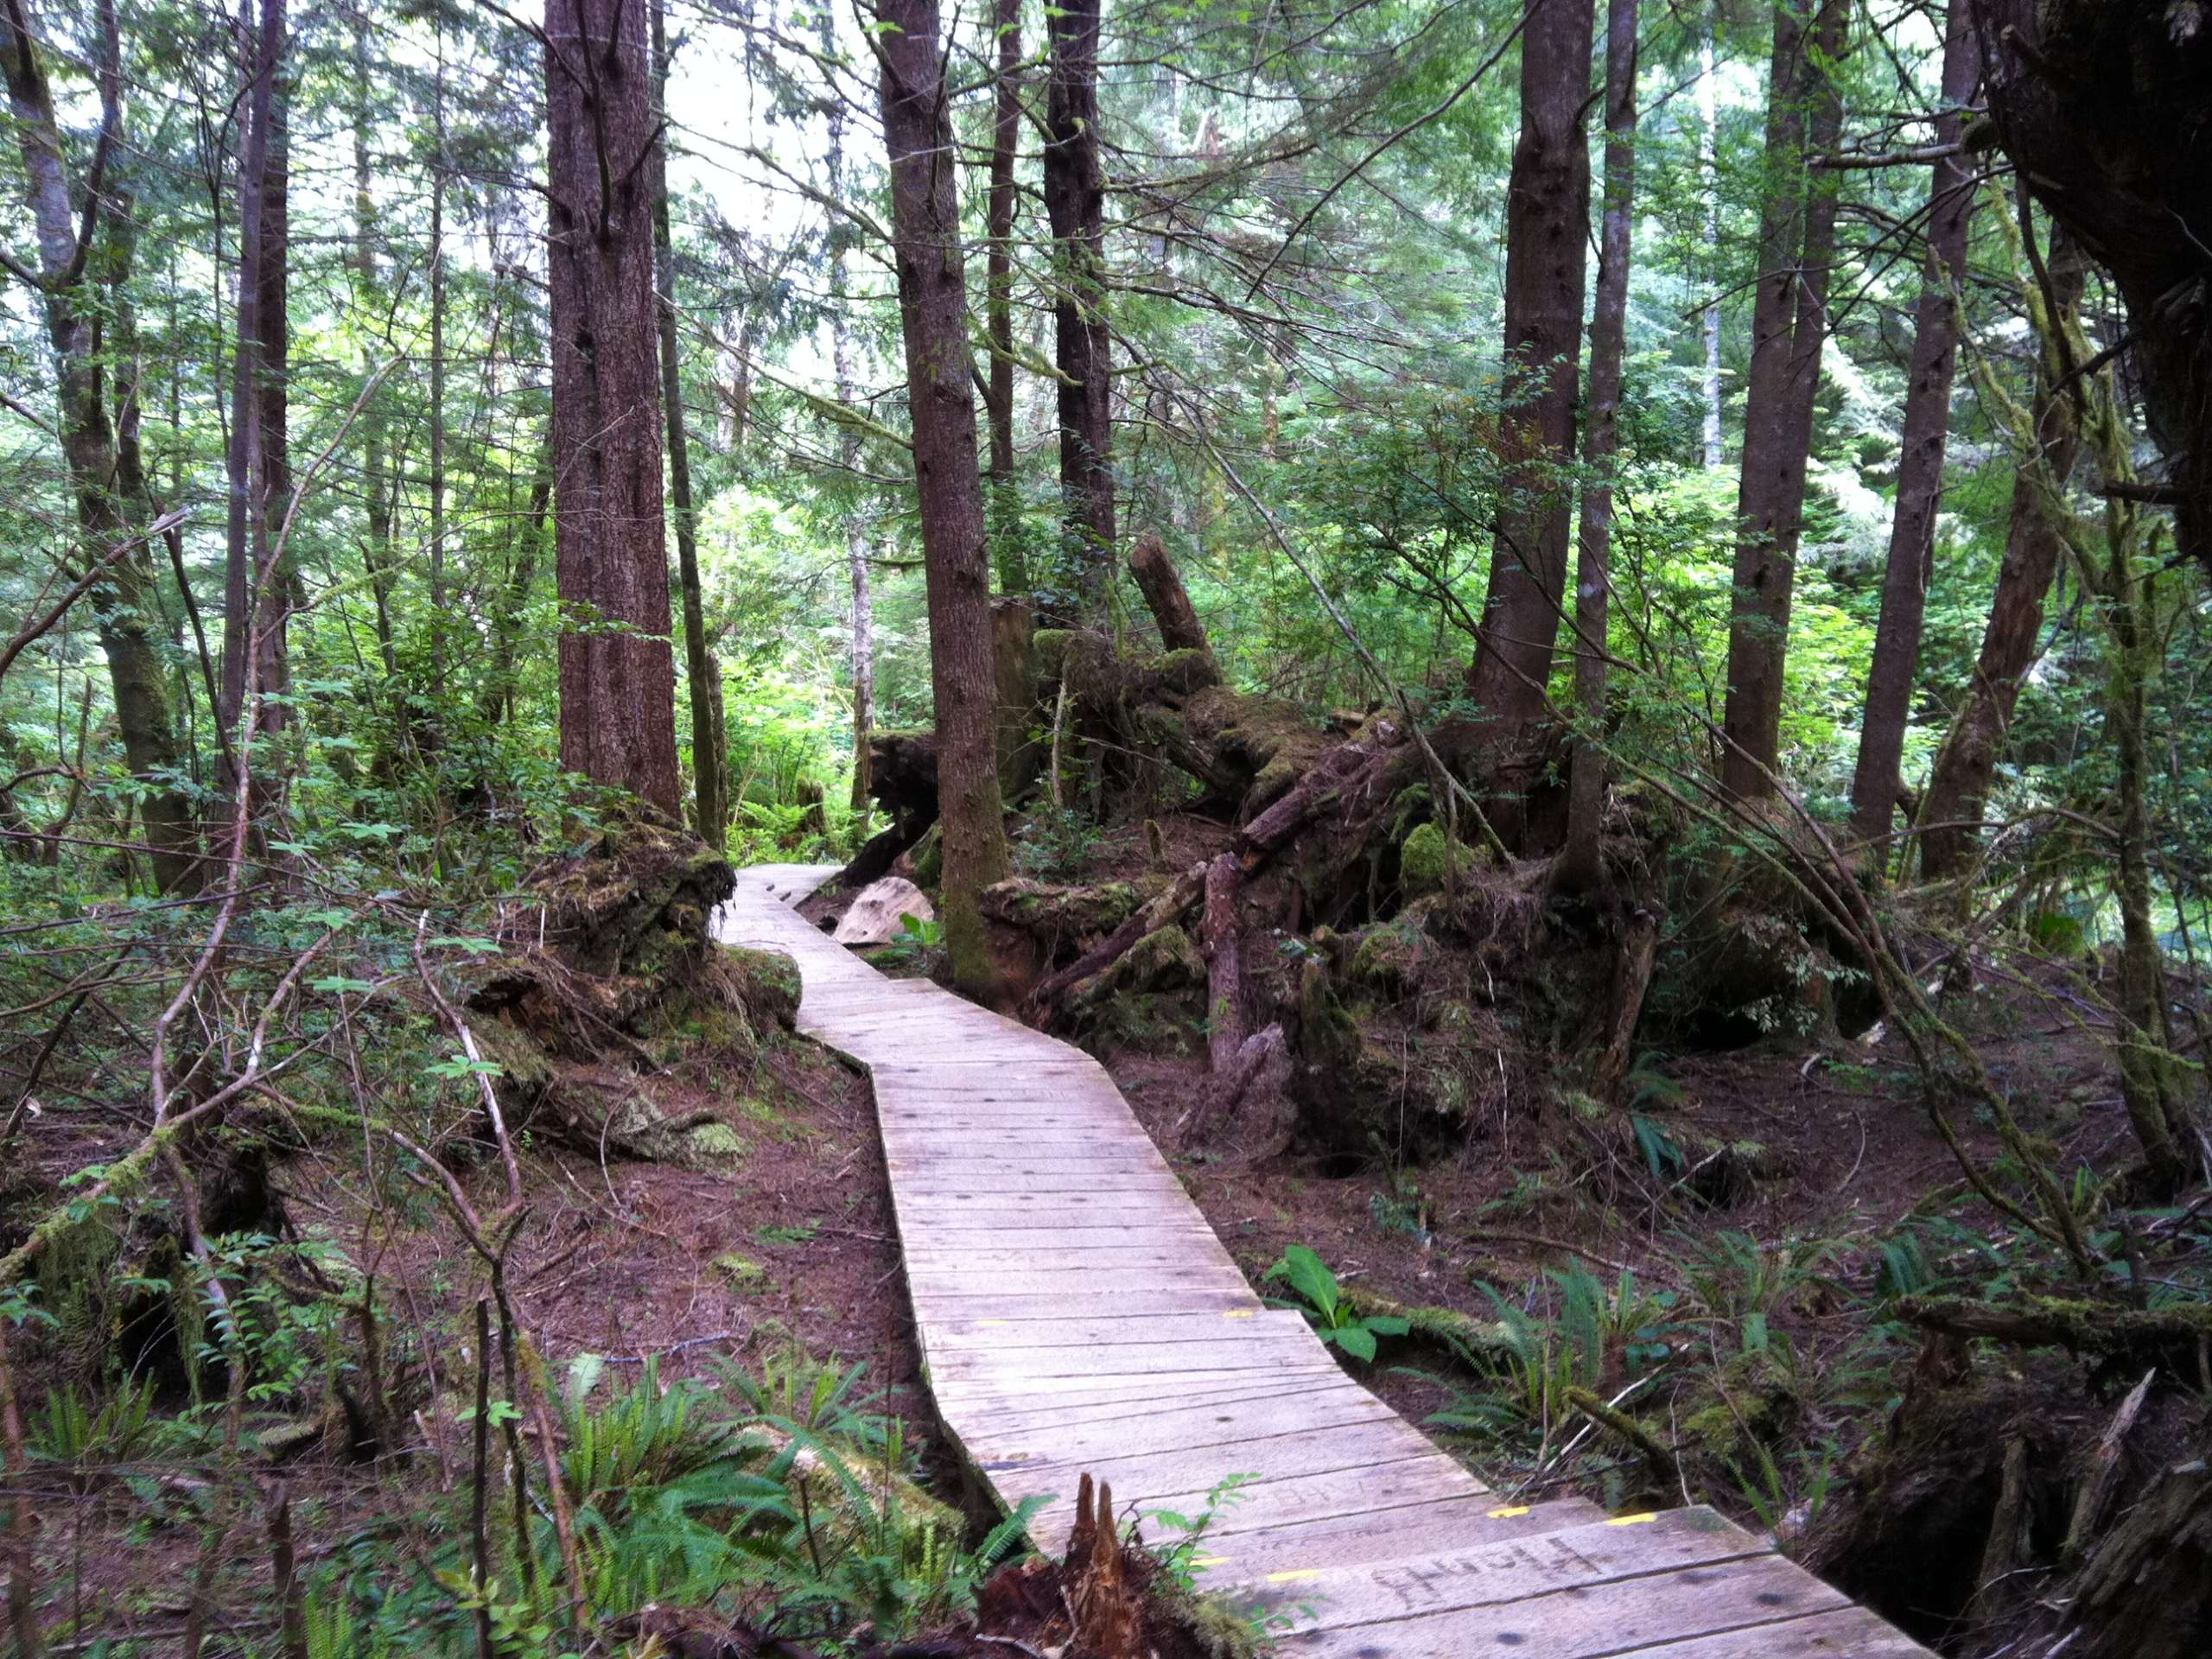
(1708, 111)
(248, 612)
(709, 764)
(376, 488)
(126, 600)
(618, 682)
(1074, 200)
(932, 307)
(1546, 236)
(1875, 783)
(281, 594)
(1580, 865)
(1958, 787)
(1789, 326)
(428, 725)
(1005, 513)
(2149, 1077)
(849, 457)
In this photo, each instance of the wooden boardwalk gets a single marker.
(1076, 1314)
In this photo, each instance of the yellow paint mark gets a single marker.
(1241, 1313)
(1633, 1520)
(1507, 1513)
(1208, 1561)
(1294, 1574)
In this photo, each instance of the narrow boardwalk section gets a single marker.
(1076, 1314)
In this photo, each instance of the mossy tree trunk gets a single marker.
(1579, 865)
(933, 309)
(1876, 786)
(1547, 219)
(1788, 326)
(1958, 787)
(617, 679)
(83, 266)
(710, 763)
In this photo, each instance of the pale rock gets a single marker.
(874, 917)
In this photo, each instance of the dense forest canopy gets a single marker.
(1422, 560)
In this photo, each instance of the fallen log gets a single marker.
(1226, 1022)
(2170, 1336)
(1168, 906)
(1166, 597)
(1349, 773)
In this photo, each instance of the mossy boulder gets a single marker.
(1162, 960)
(1391, 958)
(713, 1145)
(1425, 856)
(1182, 672)
(1048, 649)
(766, 982)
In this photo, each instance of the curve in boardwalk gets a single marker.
(1076, 1314)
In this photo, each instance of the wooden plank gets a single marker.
(1154, 1476)
(1135, 1359)
(1205, 1432)
(1291, 1500)
(1476, 1519)
(983, 1401)
(953, 1393)
(1849, 1633)
(1091, 1328)
(1517, 1570)
(1017, 1413)
(927, 1284)
(1590, 1621)
(1123, 1300)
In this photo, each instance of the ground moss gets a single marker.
(745, 1274)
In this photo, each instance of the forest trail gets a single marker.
(1076, 1314)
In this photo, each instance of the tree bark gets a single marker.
(1074, 200)
(998, 303)
(1013, 673)
(709, 764)
(849, 457)
(252, 601)
(618, 672)
(1547, 234)
(1227, 1022)
(1789, 326)
(1166, 596)
(2101, 107)
(376, 488)
(1580, 862)
(1876, 782)
(124, 599)
(280, 597)
(932, 307)
(1958, 788)
(425, 716)
(1708, 110)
